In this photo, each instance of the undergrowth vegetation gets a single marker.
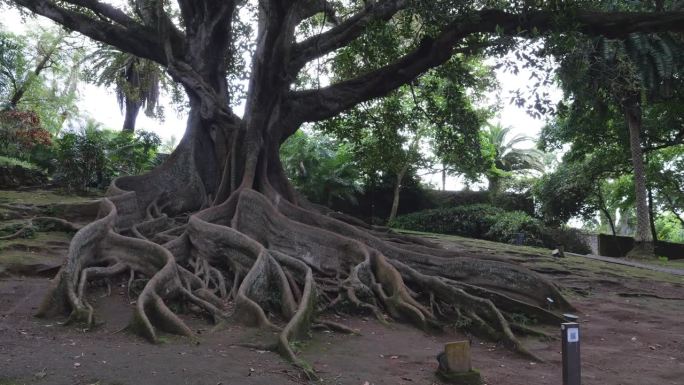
(485, 221)
(77, 160)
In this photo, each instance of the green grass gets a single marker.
(664, 262)
(481, 244)
(41, 239)
(541, 258)
(11, 162)
(41, 197)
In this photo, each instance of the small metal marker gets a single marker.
(570, 335)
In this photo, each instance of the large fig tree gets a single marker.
(219, 221)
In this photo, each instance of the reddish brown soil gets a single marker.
(625, 340)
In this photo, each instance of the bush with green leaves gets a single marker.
(515, 227)
(469, 221)
(322, 169)
(484, 221)
(93, 157)
(132, 154)
(81, 160)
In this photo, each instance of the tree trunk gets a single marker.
(651, 215)
(494, 186)
(131, 114)
(604, 209)
(643, 237)
(397, 193)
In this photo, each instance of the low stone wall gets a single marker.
(618, 246)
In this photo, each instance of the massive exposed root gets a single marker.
(284, 267)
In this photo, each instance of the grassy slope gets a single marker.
(540, 258)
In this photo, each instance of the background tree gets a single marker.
(282, 256)
(627, 74)
(432, 119)
(507, 158)
(137, 82)
(39, 72)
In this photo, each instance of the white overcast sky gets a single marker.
(100, 103)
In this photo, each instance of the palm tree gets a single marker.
(640, 69)
(136, 82)
(507, 158)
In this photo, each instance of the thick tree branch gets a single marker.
(309, 8)
(343, 33)
(135, 39)
(108, 11)
(314, 105)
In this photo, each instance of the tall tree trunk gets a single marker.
(397, 193)
(494, 186)
(131, 115)
(651, 215)
(643, 237)
(606, 212)
(443, 177)
(132, 95)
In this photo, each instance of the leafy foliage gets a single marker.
(506, 158)
(92, 157)
(469, 221)
(492, 223)
(137, 82)
(39, 73)
(21, 133)
(321, 168)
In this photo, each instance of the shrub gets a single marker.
(20, 133)
(6, 161)
(131, 154)
(493, 223)
(93, 157)
(470, 221)
(515, 227)
(81, 160)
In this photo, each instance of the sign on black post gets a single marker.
(570, 333)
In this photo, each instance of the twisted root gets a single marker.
(283, 265)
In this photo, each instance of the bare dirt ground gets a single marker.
(632, 333)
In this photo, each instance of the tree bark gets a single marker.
(397, 193)
(132, 109)
(643, 237)
(494, 187)
(651, 215)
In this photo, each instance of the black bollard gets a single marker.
(570, 335)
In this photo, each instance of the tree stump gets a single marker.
(455, 364)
